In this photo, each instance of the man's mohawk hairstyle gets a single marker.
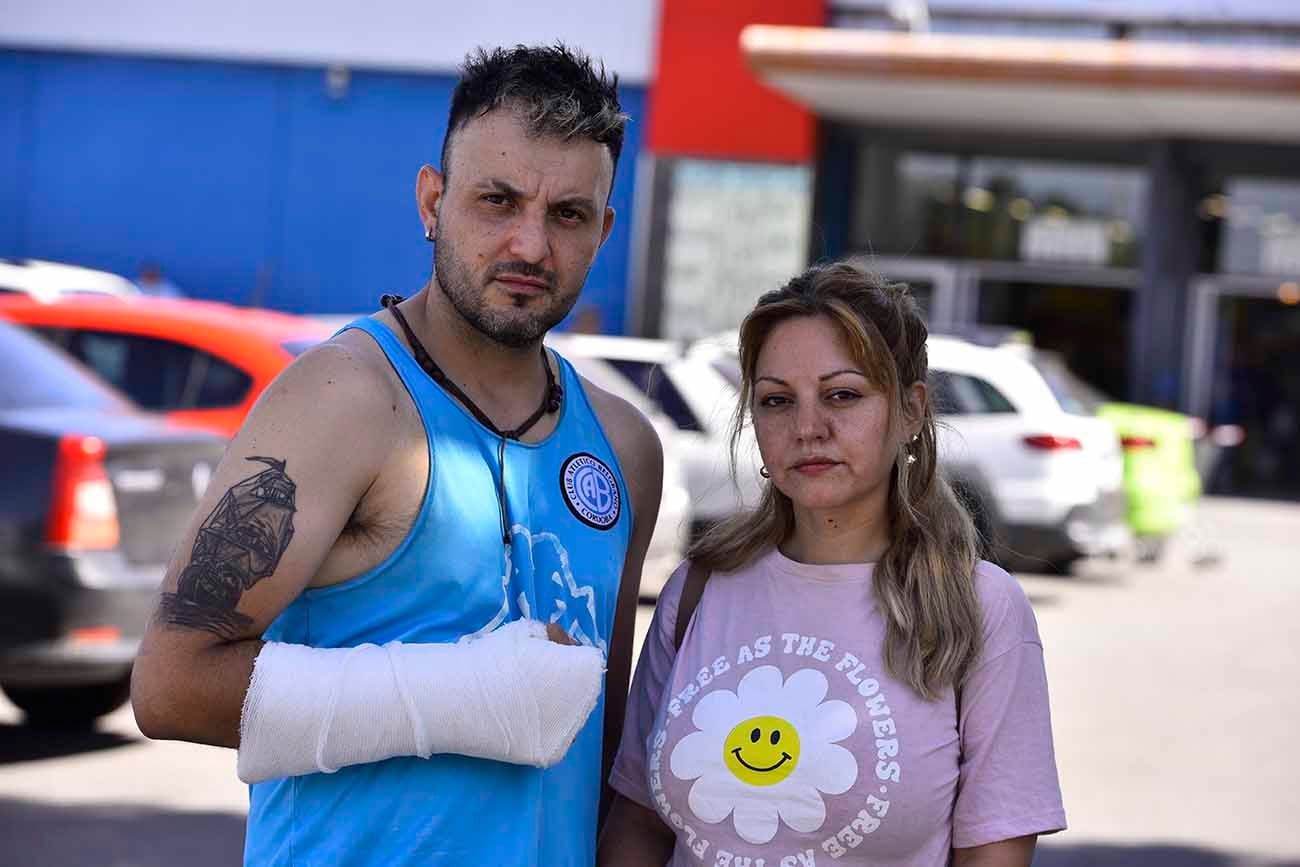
(556, 90)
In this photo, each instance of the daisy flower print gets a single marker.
(766, 753)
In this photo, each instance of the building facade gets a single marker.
(266, 154)
(1119, 180)
(1122, 181)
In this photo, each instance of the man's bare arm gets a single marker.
(272, 514)
(641, 459)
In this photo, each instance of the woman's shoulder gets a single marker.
(1008, 616)
(670, 596)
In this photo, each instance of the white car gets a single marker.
(1044, 486)
(1047, 484)
(691, 387)
(672, 529)
(47, 281)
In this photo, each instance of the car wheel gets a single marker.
(1150, 549)
(69, 706)
(1062, 565)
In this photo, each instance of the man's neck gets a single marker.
(505, 382)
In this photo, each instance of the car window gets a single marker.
(991, 399)
(958, 394)
(942, 397)
(1073, 394)
(35, 374)
(729, 367)
(650, 379)
(223, 384)
(160, 374)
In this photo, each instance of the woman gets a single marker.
(855, 686)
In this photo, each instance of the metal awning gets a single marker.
(1089, 88)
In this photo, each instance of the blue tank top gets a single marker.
(571, 520)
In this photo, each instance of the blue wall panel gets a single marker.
(16, 100)
(247, 183)
(606, 289)
(351, 230)
(146, 160)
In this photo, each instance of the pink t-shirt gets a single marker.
(777, 739)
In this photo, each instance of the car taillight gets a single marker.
(1137, 442)
(1049, 442)
(83, 510)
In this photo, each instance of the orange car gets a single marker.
(200, 362)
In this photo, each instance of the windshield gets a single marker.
(35, 374)
(1073, 394)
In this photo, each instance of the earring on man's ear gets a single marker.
(428, 234)
(762, 471)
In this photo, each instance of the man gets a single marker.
(152, 282)
(359, 604)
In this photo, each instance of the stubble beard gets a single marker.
(517, 331)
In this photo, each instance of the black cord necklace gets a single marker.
(552, 399)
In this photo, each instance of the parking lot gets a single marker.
(1172, 691)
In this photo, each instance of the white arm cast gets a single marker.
(512, 696)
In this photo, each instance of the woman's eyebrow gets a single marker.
(822, 378)
(835, 373)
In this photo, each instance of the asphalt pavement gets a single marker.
(1174, 704)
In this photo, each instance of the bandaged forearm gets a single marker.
(512, 696)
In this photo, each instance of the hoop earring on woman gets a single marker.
(762, 471)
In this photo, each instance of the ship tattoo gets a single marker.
(239, 544)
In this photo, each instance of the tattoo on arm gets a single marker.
(239, 544)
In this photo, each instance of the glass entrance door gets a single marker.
(1082, 315)
(1245, 370)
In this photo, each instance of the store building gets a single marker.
(1120, 180)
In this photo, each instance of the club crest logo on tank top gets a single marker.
(591, 491)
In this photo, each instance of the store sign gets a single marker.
(735, 231)
(1065, 239)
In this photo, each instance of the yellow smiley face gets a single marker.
(762, 750)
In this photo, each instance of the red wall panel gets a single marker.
(705, 102)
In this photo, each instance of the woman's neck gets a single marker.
(842, 535)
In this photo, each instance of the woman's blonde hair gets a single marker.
(923, 583)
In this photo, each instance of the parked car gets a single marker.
(94, 494)
(1162, 484)
(48, 281)
(1043, 486)
(690, 386)
(1046, 484)
(200, 362)
(968, 478)
(672, 529)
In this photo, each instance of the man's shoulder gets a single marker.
(347, 373)
(631, 434)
